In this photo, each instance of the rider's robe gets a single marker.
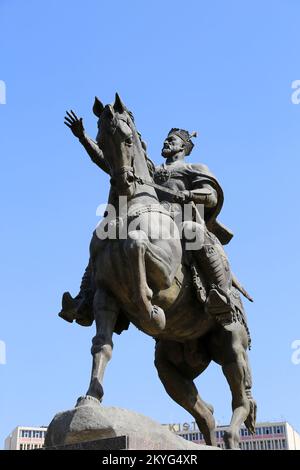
(185, 176)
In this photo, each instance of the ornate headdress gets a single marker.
(185, 136)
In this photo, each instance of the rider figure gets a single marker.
(189, 180)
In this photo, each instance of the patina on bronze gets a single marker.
(188, 300)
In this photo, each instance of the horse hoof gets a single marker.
(95, 390)
(87, 400)
(158, 317)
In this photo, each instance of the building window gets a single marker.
(21, 446)
(279, 444)
(272, 445)
(283, 444)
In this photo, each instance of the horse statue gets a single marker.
(142, 277)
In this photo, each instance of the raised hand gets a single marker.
(74, 123)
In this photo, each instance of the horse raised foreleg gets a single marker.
(106, 312)
(152, 316)
(177, 378)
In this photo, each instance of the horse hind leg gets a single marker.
(181, 388)
(106, 312)
(236, 370)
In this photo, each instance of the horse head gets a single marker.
(120, 143)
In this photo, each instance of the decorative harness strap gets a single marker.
(152, 208)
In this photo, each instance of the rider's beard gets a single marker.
(167, 152)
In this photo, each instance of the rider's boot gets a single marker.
(68, 307)
(217, 271)
(80, 308)
(158, 318)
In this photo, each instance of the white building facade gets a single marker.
(26, 438)
(268, 436)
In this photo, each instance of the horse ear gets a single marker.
(98, 107)
(119, 106)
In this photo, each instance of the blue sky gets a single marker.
(224, 69)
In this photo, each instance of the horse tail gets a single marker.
(251, 418)
(250, 421)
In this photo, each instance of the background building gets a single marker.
(26, 438)
(268, 436)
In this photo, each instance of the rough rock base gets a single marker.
(91, 426)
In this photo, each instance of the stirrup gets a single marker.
(218, 301)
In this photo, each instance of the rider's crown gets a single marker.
(185, 136)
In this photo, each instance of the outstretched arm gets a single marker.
(92, 148)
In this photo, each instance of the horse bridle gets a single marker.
(125, 170)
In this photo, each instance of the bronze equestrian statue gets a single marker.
(168, 275)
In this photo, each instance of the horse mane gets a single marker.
(150, 164)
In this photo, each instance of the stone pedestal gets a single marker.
(91, 426)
